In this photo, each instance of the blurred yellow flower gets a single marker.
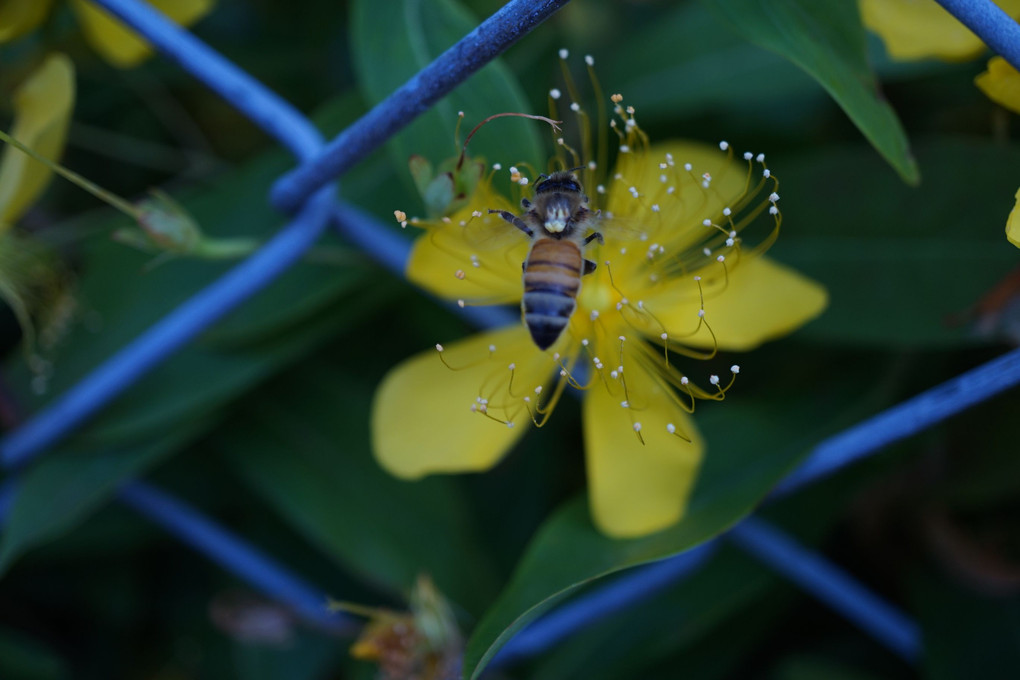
(31, 281)
(42, 113)
(673, 280)
(919, 29)
(113, 40)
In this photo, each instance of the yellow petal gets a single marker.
(634, 488)
(679, 224)
(1013, 222)
(121, 46)
(1001, 83)
(472, 258)
(42, 112)
(18, 17)
(422, 418)
(919, 29)
(762, 301)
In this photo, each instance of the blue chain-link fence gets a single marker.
(307, 192)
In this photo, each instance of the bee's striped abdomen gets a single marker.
(552, 277)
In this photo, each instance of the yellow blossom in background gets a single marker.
(31, 281)
(674, 283)
(42, 113)
(1001, 83)
(919, 29)
(20, 17)
(112, 39)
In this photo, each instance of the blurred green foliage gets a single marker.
(263, 422)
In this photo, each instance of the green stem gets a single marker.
(91, 187)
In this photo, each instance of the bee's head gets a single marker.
(563, 181)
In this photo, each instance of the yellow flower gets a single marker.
(112, 39)
(42, 112)
(673, 280)
(31, 281)
(919, 29)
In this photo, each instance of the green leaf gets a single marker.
(742, 464)
(25, 658)
(826, 39)
(902, 265)
(331, 489)
(392, 41)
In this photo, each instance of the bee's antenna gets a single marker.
(463, 151)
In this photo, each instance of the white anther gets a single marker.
(701, 313)
(439, 348)
(671, 428)
(555, 94)
(613, 375)
(641, 304)
(688, 167)
(655, 207)
(662, 178)
(512, 366)
(748, 155)
(637, 427)
(625, 404)
(726, 212)
(684, 380)
(707, 222)
(671, 190)
(556, 356)
(594, 314)
(663, 166)
(460, 303)
(595, 360)
(633, 192)
(734, 368)
(773, 210)
(460, 274)
(760, 158)
(733, 234)
(664, 336)
(584, 341)
(510, 424)
(773, 197)
(600, 189)
(575, 107)
(707, 251)
(724, 145)
(730, 242)
(492, 348)
(564, 53)
(714, 379)
(619, 369)
(592, 165)
(563, 373)
(527, 400)
(721, 258)
(538, 390)
(766, 173)
(623, 251)
(497, 166)
(523, 181)
(624, 148)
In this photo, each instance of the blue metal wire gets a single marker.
(473, 51)
(830, 584)
(233, 554)
(905, 419)
(990, 23)
(597, 604)
(167, 336)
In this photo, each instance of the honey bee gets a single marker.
(556, 222)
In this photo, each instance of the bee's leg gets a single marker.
(526, 204)
(594, 236)
(589, 267)
(514, 220)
